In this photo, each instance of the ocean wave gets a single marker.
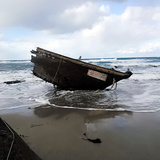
(101, 60)
(49, 105)
(145, 77)
(14, 61)
(139, 93)
(45, 103)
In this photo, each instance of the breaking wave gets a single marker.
(139, 93)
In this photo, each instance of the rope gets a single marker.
(12, 140)
(113, 84)
(57, 70)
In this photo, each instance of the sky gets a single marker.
(91, 29)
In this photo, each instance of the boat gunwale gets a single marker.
(82, 63)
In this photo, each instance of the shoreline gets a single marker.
(57, 133)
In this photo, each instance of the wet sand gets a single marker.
(56, 133)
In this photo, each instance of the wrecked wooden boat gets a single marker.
(68, 73)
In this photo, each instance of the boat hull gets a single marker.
(72, 74)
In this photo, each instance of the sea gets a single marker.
(139, 93)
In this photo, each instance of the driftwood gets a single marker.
(13, 82)
(97, 140)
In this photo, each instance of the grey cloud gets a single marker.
(29, 12)
(79, 17)
(57, 16)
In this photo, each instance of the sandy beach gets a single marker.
(57, 133)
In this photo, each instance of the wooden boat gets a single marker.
(68, 73)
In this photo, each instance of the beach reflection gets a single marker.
(88, 115)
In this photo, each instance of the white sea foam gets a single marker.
(103, 109)
(135, 63)
(63, 92)
(87, 109)
(100, 60)
(14, 61)
(145, 77)
(42, 100)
